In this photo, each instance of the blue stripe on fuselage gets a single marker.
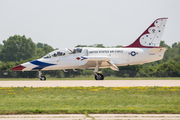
(41, 65)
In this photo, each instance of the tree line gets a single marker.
(19, 49)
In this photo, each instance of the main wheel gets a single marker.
(42, 78)
(99, 76)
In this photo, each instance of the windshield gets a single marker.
(67, 51)
(55, 54)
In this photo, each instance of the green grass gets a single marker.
(92, 78)
(59, 100)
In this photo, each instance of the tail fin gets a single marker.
(151, 37)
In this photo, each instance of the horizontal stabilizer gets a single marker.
(157, 49)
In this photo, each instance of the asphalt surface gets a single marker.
(89, 83)
(93, 117)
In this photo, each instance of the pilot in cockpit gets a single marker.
(74, 51)
(55, 55)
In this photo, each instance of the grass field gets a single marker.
(57, 100)
(92, 78)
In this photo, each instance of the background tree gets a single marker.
(1, 47)
(81, 46)
(95, 45)
(40, 45)
(119, 46)
(47, 49)
(108, 72)
(43, 49)
(88, 72)
(99, 45)
(168, 69)
(17, 48)
(165, 58)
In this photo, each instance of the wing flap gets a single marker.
(113, 66)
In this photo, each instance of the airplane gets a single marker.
(144, 49)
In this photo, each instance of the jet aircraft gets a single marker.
(144, 49)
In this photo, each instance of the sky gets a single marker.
(67, 23)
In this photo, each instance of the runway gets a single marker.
(93, 117)
(89, 83)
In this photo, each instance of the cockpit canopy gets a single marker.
(64, 52)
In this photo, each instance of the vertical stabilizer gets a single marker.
(151, 37)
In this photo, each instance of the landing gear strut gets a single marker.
(99, 76)
(42, 78)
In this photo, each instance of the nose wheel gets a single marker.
(99, 76)
(42, 78)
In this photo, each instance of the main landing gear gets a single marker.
(99, 76)
(42, 78)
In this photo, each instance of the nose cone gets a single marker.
(19, 67)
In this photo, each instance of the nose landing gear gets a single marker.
(42, 78)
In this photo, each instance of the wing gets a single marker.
(100, 59)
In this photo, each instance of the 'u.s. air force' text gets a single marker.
(107, 51)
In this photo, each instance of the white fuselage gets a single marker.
(119, 56)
